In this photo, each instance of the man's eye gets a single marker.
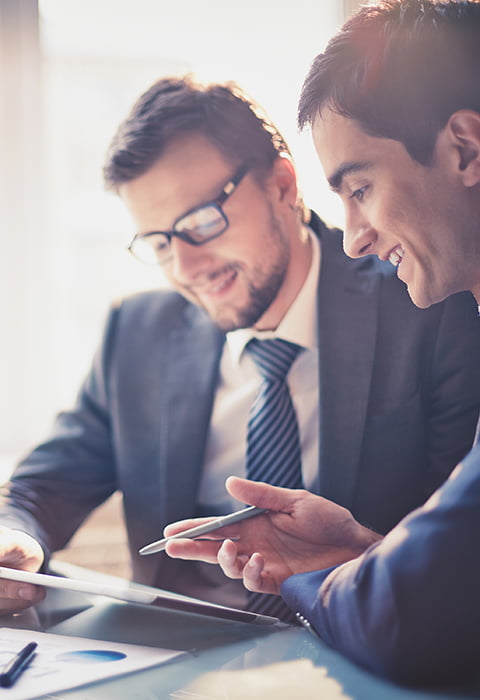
(359, 193)
(160, 246)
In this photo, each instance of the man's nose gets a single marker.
(186, 260)
(359, 236)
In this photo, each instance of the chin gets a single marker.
(419, 297)
(226, 322)
(425, 298)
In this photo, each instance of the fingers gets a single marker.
(16, 596)
(257, 493)
(234, 564)
(19, 550)
(182, 525)
(196, 550)
(253, 574)
(231, 562)
(249, 569)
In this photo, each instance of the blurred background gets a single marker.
(69, 72)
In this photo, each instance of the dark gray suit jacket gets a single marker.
(398, 406)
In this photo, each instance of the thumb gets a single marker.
(258, 493)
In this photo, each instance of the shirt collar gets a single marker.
(299, 325)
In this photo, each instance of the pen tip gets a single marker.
(145, 550)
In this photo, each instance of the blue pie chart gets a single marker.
(91, 656)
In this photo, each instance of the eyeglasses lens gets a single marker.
(152, 249)
(202, 224)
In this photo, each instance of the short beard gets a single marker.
(261, 299)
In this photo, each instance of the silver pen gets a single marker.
(193, 532)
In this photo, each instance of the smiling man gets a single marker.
(390, 197)
(394, 105)
(175, 401)
(247, 277)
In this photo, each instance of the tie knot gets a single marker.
(273, 357)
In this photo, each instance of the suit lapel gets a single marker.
(192, 360)
(347, 327)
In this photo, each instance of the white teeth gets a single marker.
(396, 255)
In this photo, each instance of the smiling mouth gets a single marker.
(396, 256)
(217, 285)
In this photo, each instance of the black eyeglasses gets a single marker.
(196, 227)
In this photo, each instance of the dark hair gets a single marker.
(230, 119)
(400, 68)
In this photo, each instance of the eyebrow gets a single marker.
(336, 180)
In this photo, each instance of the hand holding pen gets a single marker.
(300, 532)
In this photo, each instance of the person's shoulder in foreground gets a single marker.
(408, 608)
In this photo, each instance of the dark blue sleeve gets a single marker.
(409, 608)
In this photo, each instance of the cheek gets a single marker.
(252, 241)
(236, 245)
(397, 210)
(167, 271)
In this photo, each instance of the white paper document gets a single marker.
(63, 662)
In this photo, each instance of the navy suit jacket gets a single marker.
(408, 609)
(391, 383)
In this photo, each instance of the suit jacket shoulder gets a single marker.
(408, 608)
(402, 382)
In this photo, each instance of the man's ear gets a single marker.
(463, 128)
(284, 178)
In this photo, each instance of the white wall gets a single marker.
(265, 45)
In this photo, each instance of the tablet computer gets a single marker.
(142, 595)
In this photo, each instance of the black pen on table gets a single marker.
(17, 665)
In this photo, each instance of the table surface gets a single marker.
(224, 660)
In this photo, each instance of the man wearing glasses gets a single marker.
(273, 357)
(198, 226)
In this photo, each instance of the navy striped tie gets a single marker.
(273, 444)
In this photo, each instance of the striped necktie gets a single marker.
(273, 444)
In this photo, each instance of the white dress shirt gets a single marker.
(238, 384)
